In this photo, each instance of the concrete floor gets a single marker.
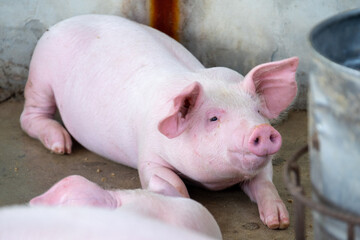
(27, 169)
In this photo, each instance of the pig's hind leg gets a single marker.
(37, 117)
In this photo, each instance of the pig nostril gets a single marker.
(274, 138)
(256, 141)
(264, 141)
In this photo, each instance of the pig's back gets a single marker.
(103, 71)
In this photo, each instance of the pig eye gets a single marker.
(213, 119)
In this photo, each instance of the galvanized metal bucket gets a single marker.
(334, 121)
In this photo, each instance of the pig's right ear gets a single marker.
(275, 83)
(179, 117)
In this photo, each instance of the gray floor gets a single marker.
(27, 169)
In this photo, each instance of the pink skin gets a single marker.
(264, 141)
(78, 191)
(74, 223)
(137, 97)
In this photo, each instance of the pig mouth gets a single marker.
(248, 162)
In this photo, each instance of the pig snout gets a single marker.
(264, 140)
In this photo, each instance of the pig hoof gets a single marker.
(275, 215)
(57, 148)
(57, 139)
(276, 223)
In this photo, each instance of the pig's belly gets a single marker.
(100, 120)
(98, 135)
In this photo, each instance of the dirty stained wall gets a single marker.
(231, 33)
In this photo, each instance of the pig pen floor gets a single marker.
(27, 169)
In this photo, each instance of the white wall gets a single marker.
(235, 33)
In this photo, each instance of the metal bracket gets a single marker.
(300, 201)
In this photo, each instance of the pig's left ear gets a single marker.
(184, 104)
(275, 83)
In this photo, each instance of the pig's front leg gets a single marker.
(261, 190)
(161, 179)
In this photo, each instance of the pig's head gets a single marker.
(218, 129)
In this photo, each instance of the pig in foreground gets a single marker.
(171, 209)
(77, 223)
(137, 97)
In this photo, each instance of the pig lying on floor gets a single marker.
(119, 214)
(131, 94)
(77, 223)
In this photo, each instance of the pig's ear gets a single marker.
(74, 191)
(184, 104)
(275, 83)
(163, 187)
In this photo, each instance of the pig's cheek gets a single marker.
(238, 140)
(212, 126)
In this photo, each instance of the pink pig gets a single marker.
(84, 223)
(174, 210)
(137, 97)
